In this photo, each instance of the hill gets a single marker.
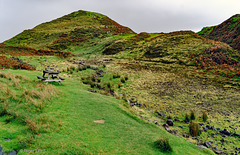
(70, 29)
(155, 76)
(228, 32)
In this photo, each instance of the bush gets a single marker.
(126, 78)
(163, 145)
(119, 85)
(204, 116)
(123, 80)
(192, 115)
(194, 129)
(187, 119)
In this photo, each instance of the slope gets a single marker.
(228, 32)
(68, 125)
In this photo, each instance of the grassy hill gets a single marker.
(228, 32)
(62, 122)
(136, 78)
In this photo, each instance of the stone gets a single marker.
(176, 119)
(225, 132)
(222, 140)
(180, 126)
(210, 127)
(200, 124)
(156, 123)
(218, 129)
(12, 153)
(201, 147)
(218, 151)
(170, 122)
(204, 128)
(161, 114)
(232, 127)
(236, 135)
(207, 144)
(174, 132)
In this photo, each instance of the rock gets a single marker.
(12, 153)
(161, 114)
(174, 132)
(210, 127)
(222, 140)
(207, 144)
(139, 104)
(225, 132)
(218, 129)
(170, 122)
(200, 124)
(166, 127)
(156, 123)
(176, 119)
(201, 147)
(218, 151)
(236, 135)
(180, 126)
(232, 127)
(204, 128)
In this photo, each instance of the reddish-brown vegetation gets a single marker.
(26, 51)
(8, 63)
(218, 60)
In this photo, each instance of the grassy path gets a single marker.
(74, 113)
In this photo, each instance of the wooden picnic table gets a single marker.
(51, 76)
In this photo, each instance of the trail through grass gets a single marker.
(75, 131)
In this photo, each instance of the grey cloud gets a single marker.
(140, 15)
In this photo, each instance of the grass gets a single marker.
(75, 111)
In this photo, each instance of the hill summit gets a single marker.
(69, 29)
(228, 32)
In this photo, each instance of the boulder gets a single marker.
(161, 114)
(225, 132)
(170, 122)
(237, 135)
(218, 151)
(207, 144)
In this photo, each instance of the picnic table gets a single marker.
(51, 76)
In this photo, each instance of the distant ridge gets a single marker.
(228, 32)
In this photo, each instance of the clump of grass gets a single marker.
(163, 145)
(204, 116)
(194, 129)
(192, 115)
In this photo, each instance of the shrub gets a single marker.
(187, 119)
(169, 117)
(204, 116)
(104, 65)
(192, 115)
(123, 80)
(126, 78)
(163, 145)
(119, 85)
(72, 68)
(194, 129)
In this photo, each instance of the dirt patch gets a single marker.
(99, 121)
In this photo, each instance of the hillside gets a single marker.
(136, 83)
(228, 32)
(70, 29)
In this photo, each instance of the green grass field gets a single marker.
(71, 115)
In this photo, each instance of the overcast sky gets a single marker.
(139, 15)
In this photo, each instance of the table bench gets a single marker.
(52, 76)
